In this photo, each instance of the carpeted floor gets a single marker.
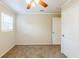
(45, 51)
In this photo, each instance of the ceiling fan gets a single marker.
(30, 3)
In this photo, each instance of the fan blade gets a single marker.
(29, 5)
(43, 3)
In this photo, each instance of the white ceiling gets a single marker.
(54, 6)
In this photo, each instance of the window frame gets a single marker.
(6, 22)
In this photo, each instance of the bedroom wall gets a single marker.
(34, 29)
(7, 39)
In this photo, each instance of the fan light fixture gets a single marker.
(31, 3)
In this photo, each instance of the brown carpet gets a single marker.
(47, 51)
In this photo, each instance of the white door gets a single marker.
(56, 30)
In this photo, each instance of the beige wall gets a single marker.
(34, 29)
(70, 29)
(7, 39)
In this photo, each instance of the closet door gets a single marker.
(56, 30)
(70, 32)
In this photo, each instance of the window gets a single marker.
(6, 23)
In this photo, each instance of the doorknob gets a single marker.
(53, 32)
(63, 35)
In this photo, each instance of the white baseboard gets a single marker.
(64, 54)
(7, 50)
(34, 44)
